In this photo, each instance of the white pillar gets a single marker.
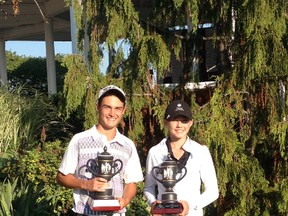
(73, 28)
(50, 57)
(282, 92)
(86, 41)
(86, 48)
(3, 69)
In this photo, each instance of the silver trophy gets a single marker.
(106, 167)
(166, 174)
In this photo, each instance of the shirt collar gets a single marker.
(183, 160)
(116, 140)
(189, 145)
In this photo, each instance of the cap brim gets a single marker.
(115, 92)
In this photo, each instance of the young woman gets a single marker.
(187, 153)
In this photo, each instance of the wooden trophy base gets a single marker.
(168, 208)
(104, 205)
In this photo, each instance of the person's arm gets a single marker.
(150, 181)
(132, 175)
(130, 190)
(70, 181)
(150, 184)
(209, 178)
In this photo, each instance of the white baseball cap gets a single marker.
(112, 90)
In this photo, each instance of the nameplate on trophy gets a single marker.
(167, 208)
(105, 205)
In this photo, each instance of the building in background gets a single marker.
(52, 20)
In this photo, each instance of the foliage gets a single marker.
(14, 60)
(38, 168)
(21, 200)
(9, 126)
(138, 205)
(26, 120)
(32, 73)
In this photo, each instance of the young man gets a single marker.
(73, 172)
(187, 153)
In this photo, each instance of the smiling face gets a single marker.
(178, 128)
(111, 111)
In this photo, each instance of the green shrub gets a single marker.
(38, 167)
(20, 200)
(138, 205)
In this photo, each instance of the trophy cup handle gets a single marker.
(92, 166)
(115, 165)
(156, 170)
(182, 175)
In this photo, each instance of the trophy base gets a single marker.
(167, 208)
(102, 195)
(104, 205)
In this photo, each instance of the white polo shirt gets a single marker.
(87, 145)
(200, 169)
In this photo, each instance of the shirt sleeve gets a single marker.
(133, 170)
(150, 182)
(209, 179)
(70, 159)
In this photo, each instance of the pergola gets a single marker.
(43, 20)
(37, 20)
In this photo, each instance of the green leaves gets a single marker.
(34, 190)
(77, 81)
(17, 199)
(7, 196)
(153, 51)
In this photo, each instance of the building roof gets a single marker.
(28, 24)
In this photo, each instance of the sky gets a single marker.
(36, 48)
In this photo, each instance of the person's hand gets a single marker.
(123, 202)
(153, 206)
(185, 208)
(96, 184)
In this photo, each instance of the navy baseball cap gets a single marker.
(178, 108)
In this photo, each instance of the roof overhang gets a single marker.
(28, 24)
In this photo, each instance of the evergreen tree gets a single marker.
(244, 120)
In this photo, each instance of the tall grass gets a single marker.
(10, 111)
(27, 121)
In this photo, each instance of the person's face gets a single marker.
(111, 111)
(178, 127)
